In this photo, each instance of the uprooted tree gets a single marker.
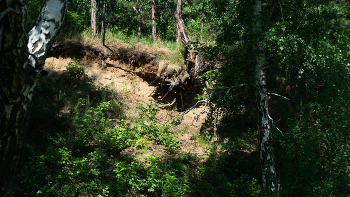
(22, 57)
(172, 80)
(195, 63)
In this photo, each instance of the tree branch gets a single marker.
(279, 95)
(17, 11)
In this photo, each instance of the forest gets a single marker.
(174, 98)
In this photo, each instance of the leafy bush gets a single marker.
(244, 187)
(75, 73)
(171, 30)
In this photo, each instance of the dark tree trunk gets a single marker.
(15, 90)
(202, 25)
(103, 26)
(266, 147)
(154, 29)
(18, 74)
(93, 18)
(178, 11)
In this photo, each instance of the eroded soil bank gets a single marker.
(112, 63)
(141, 75)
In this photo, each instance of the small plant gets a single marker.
(245, 186)
(76, 73)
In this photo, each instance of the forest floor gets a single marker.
(134, 85)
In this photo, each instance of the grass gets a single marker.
(169, 51)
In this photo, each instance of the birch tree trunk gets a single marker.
(202, 26)
(265, 136)
(93, 18)
(178, 11)
(154, 29)
(19, 73)
(15, 92)
(45, 30)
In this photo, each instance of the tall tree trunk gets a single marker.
(103, 26)
(178, 11)
(154, 29)
(93, 18)
(45, 30)
(14, 89)
(139, 24)
(202, 26)
(18, 73)
(265, 136)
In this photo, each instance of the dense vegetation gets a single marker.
(75, 149)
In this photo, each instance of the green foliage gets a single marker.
(160, 133)
(34, 7)
(171, 30)
(158, 182)
(244, 187)
(75, 73)
(78, 18)
(306, 60)
(194, 29)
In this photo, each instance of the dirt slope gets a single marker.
(172, 81)
(133, 71)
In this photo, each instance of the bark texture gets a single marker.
(195, 64)
(202, 25)
(19, 71)
(154, 29)
(16, 88)
(265, 136)
(46, 28)
(193, 61)
(93, 18)
(178, 11)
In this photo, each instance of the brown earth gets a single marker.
(137, 72)
(137, 61)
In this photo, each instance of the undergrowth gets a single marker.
(75, 141)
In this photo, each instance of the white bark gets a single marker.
(265, 136)
(45, 29)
